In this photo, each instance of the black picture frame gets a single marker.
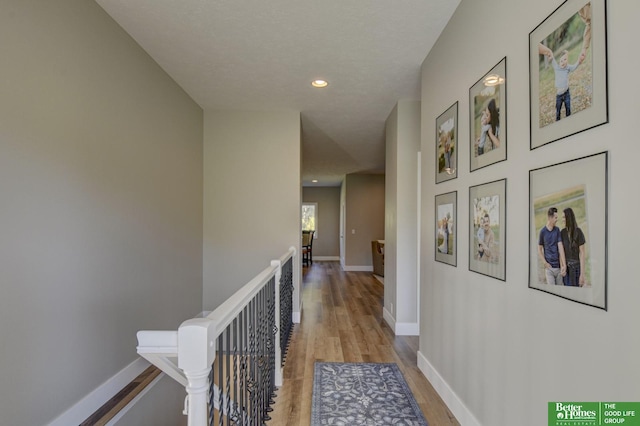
(446, 144)
(488, 218)
(446, 228)
(488, 118)
(579, 185)
(575, 27)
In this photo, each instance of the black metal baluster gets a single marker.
(241, 384)
(211, 396)
(235, 412)
(227, 359)
(252, 358)
(260, 360)
(220, 384)
(265, 353)
(272, 340)
(286, 308)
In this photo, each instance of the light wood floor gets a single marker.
(342, 322)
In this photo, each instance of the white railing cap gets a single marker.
(157, 341)
(196, 344)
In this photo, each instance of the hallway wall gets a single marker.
(328, 198)
(364, 221)
(498, 350)
(100, 205)
(252, 197)
(401, 218)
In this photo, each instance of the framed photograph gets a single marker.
(568, 230)
(446, 229)
(488, 118)
(447, 144)
(487, 229)
(568, 71)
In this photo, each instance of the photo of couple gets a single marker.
(568, 229)
(563, 251)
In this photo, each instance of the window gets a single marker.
(310, 217)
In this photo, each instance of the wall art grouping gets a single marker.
(567, 200)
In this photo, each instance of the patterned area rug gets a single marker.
(362, 394)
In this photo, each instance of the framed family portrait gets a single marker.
(568, 230)
(446, 229)
(487, 229)
(488, 118)
(568, 71)
(447, 144)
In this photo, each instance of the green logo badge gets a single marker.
(594, 413)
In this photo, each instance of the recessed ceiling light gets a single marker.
(493, 80)
(315, 181)
(319, 83)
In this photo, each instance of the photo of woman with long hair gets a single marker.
(573, 241)
(489, 128)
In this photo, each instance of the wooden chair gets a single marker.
(307, 247)
(377, 252)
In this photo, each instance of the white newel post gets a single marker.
(278, 362)
(196, 353)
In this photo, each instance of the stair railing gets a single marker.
(230, 362)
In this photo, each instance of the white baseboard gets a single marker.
(388, 317)
(455, 404)
(400, 328)
(407, 329)
(325, 258)
(99, 396)
(349, 268)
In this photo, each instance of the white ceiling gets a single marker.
(263, 55)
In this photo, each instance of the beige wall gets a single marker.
(156, 407)
(391, 218)
(364, 197)
(401, 217)
(328, 198)
(506, 350)
(101, 204)
(251, 196)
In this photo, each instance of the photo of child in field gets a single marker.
(566, 69)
